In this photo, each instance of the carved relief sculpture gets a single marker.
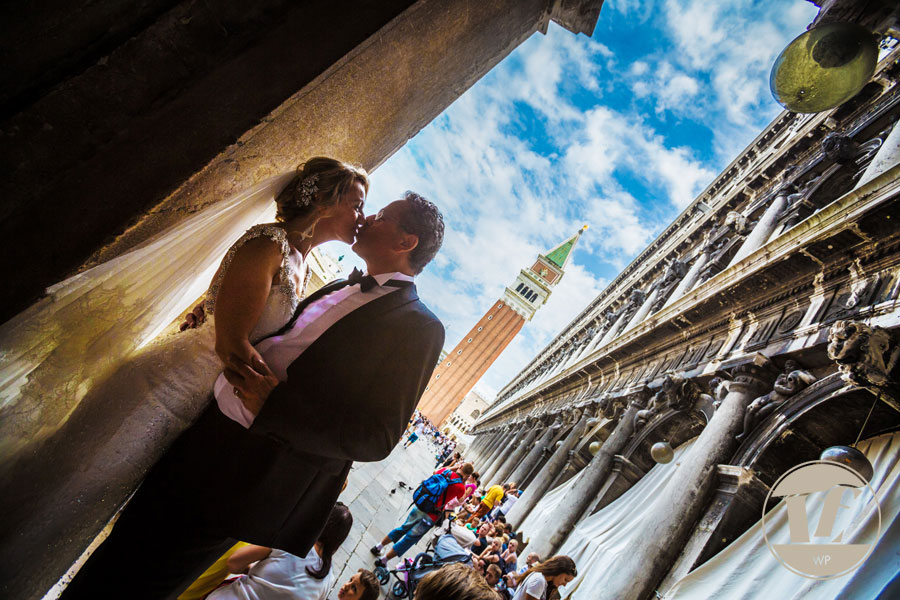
(865, 355)
(793, 380)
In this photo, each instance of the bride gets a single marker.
(66, 486)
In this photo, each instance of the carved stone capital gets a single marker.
(865, 355)
(754, 377)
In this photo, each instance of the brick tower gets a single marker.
(458, 372)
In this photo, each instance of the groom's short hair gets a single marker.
(423, 219)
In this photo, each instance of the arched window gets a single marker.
(458, 352)
(490, 317)
(480, 328)
(469, 341)
(520, 286)
(476, 413)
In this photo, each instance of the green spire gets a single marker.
(559, 256)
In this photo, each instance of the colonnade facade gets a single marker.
(763, 322)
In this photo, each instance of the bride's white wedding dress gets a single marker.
(68, 486)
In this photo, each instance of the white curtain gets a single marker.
(747, 569)
(543, 512)
(603, 540)
(87, 325)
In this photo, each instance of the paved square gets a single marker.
(376, 510)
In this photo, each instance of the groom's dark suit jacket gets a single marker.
(348, 397)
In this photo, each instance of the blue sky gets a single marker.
(620, 131)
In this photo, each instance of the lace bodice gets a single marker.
(283, 298)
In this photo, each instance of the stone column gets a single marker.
(581, 495)
(482, 442)
(887, 156)
(530, 433)
(761, 232)
(611, 332)
(501, 438)
(690, 280)
(503, 453)
(498, 447)
(737, 505)
(527, 463)
(643, 310)
(665, 530)
(548, 474)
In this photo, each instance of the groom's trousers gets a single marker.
(154, 552)
(158, 546)
(217, 483)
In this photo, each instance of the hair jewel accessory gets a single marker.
(307, 189)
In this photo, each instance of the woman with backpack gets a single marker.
(429, 500)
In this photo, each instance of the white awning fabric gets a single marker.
(747, 569)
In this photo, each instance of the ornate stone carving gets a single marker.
(865, 355)
(793, 380)
(677, 393)
(737, 223)
(840, 148)
(675, 272)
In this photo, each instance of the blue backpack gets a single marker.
(429, 496)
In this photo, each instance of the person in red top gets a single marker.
(418, 522)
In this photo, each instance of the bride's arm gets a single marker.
(242, 297)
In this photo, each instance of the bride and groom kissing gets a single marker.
(309, 386)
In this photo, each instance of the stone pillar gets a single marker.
(690, 280)
(666, 529)
(527, 463)
(624, 475)
(503, 453)
(887, 156)
(643, 310)
(761, 232)
(526, 440)
(611, 332)
(490, 438)
(501, 444)
(493, 448)
(736, 506)
(581, 495)
(472, 451)
(548, 474)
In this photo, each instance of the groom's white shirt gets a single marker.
(282, 350)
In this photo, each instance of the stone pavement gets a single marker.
(376, 510)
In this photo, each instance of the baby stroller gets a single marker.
(443, 549)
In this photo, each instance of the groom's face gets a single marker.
(382, 232)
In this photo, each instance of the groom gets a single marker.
(358, 355)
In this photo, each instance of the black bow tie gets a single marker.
(366, 282)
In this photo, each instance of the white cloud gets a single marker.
(515, 181)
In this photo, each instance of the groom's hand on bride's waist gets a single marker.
(252, 384)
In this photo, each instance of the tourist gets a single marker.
(493, 496)
(454, 582)
(419, 431)
(542, 580)
(363, 585)
(278, 575)
(427, 509)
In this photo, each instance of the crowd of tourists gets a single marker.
(453, 500)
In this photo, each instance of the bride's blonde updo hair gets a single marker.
(316, 188)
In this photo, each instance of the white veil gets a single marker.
(51, 353)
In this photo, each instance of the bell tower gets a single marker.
(461, 369)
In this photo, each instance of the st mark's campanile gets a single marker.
(458, 372)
